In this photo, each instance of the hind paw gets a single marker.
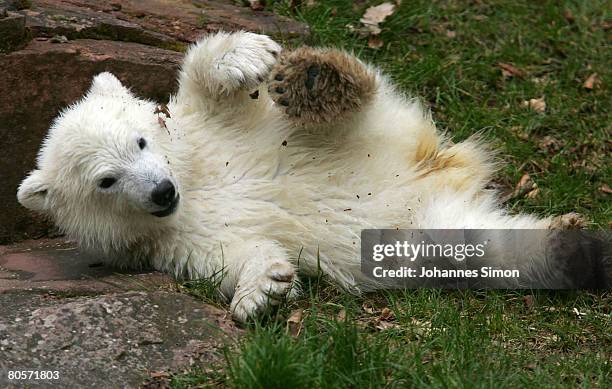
(319, 86)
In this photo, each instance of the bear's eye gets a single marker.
(107, 182)
(142, 143)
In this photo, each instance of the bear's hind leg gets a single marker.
(318, 86)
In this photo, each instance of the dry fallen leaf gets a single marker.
(373, 16)
(552, 338)
(605, 189)
(538, 105)
(451, 34)
(569, 16)
(530, 366)
(525, 185)
(528, 300)
(550, 144)
(592, 82)
(387, 314)
(508, 70)
(374, 42)
(341, 315)
(533, 193)
(159, 374)
(385, 325)
(367, 308)
(294, 322)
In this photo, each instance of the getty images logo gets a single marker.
(414, 251)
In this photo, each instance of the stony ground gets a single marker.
(62, 310)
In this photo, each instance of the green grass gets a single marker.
(463, 338)
(432, 338)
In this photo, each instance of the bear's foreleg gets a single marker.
(260, 276)
(321, 86)
(223, 70)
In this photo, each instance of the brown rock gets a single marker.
(108, 341)
(43, 78)
(58, 267)
(221, 16)
(78, 20)
(12, 30)
(143, 331)
(17, 4)
(161, 23)
(185, 20)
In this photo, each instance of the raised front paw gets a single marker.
(320, 85)
(224, 62)
(247, 61)
(255, 294)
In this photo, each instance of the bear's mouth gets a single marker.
(170, 210)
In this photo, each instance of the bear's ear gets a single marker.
(108, 85)
(32, 192)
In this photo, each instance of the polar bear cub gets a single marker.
(262, 161)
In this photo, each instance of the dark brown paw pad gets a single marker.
(318, 86)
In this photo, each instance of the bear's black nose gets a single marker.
(164, 193)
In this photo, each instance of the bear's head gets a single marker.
(101, 175)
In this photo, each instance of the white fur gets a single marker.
(250, 205)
